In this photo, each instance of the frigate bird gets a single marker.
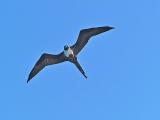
(69, 53)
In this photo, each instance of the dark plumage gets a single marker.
(69, 53)
(85, 35)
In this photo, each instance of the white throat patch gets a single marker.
(68, 52)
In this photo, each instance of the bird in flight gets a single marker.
(69, 53)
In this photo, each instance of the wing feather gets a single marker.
(85, 35)
(45, 60)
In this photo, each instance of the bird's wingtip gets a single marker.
(108, 28)
(111, 27)
(28, 80)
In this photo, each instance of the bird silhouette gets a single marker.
(69, 53)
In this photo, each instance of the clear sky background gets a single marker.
(122, 65)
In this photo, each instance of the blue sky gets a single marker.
(123, 84)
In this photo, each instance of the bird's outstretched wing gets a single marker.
(44, 60)
(85, 35)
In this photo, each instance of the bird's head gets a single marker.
(66, 47)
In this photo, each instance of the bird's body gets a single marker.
(69, 53)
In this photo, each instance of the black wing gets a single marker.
(85, 35)
(44, 60)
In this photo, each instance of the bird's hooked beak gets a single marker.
(66, 47)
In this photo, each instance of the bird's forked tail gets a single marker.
(80, 68)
